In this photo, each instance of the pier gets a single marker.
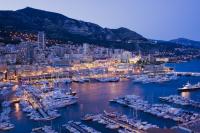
(121, 124)
(187, 73)
(159, 110)
(118, 121)
(79, 128)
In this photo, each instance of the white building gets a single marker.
(85, 48)
(41, 40)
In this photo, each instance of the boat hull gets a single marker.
(189, 89)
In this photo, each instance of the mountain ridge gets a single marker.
(59, 27)
(186, 42)
(50, 22)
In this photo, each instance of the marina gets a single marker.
(42, 104)
(92, 94)
(120, 122)
(159, 110)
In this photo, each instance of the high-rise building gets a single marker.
(85, 48)
(41, 40)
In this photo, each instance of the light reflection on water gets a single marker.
(138, 91)
(185, 94)
(18, 111)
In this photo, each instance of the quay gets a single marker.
(120, 121)
(78, 127)
(44, 76)
(159, 110)
(187, 73)
(121, 124)
(145, 77)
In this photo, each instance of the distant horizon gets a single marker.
(179, 22)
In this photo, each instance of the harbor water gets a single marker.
(94, 98)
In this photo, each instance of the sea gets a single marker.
(94, 98)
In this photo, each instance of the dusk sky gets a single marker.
(155, 19)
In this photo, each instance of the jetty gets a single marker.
(187, 73)
(159, 110)
(78, 127)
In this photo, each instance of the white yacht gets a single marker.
(190, 87)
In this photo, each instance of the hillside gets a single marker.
(60, 27)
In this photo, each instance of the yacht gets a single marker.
(57, 98)
(108, 79)
(71, 92)
(81, 80)
(87, 117)
(190, 87)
